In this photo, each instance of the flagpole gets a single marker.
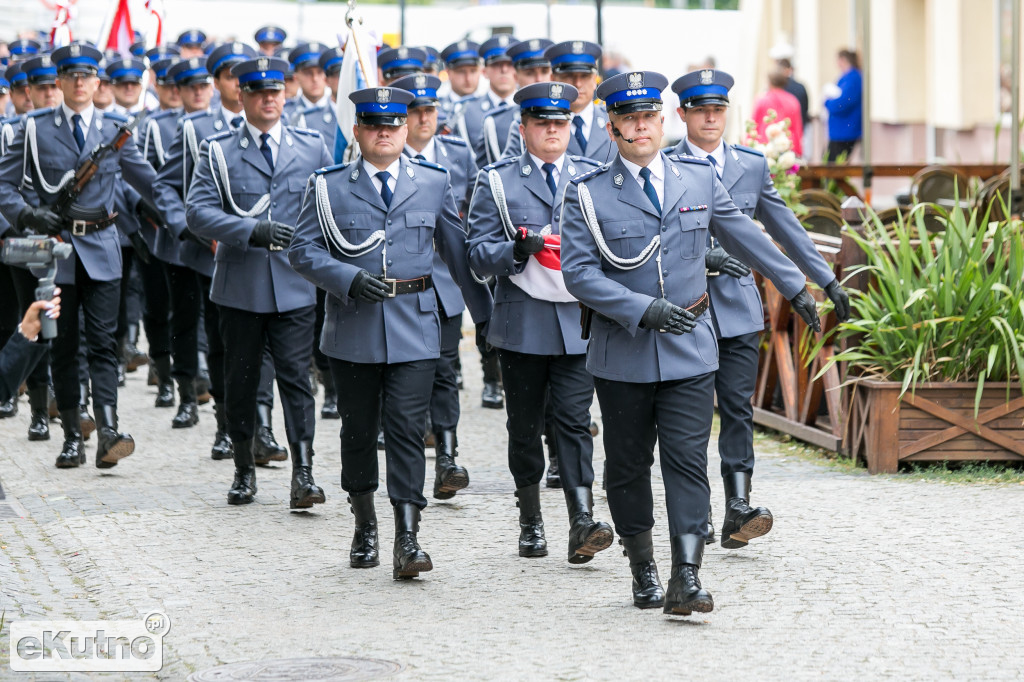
(349, 20)
(104, 36)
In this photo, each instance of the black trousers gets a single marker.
(675, 414)
(397, 396)
(98, 302)
(288, 336)
(215, 344)
(530, 381)
(131, 293)
(25, 284)
(734, 384)
(319, 359)
(444, 397)
(265, 390)
(837, 148)
(184, 297)
(156, 314)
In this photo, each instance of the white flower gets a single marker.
(779, 146)
(787, 160)
(773, 131)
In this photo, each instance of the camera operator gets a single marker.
(24, 349)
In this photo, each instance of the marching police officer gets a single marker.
(191, 43)
(535, 324)
(51, 145)
(462, 62)
(531, 66)
(246, 193)
(454, 154)
(367, 235)
(395, 62)
(501, 78)
(633, 251)
(313, 96)
(736, 308)
(270, 38)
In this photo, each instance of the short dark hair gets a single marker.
(784, 63)
(851, 57)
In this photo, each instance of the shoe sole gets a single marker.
(184, 425)
(87, 427)
(68, 466)
(412, 570)
(203, 398)
(162, 403)
(650, 604)
(262, 461)
(533, 553)
(451, 485)
(364, 564)
(221, 455)
(688, 607)
(239, 501)
(308, 501)
(598, 540)
(754, 528)
(116, 453)
(38, 436)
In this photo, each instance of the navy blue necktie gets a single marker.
(385, 191)
(577, 123)
(76, 129)
(236, 122)
(549, 171)
(714, 164)
(645, 173)
(265, 150)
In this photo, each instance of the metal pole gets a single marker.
(598, 4)
(547, 4)
(401, 22)
(868, 172)
(1015, 196)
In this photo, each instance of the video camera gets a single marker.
(36, 252)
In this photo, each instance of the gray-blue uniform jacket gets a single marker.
(8, 127)
(157, 135)
(56, 154)
(249, 277)
(454, 154)
(520, 322)
(321, 119)
(422, 214)
(694, 201)
(494, 136)
(600, 147)
(736, 303)
(174, 179)
(471, 126)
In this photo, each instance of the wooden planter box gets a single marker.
(935, 423)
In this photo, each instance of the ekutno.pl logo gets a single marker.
(89, 645)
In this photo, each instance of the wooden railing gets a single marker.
(843, 174)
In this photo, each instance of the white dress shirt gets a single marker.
(718, 155)
(429, 152)
(86, 115)
(496, 101)
(558, 166)
(274, 141)
(657, 166)
(587, 116)
(229, 115)
(372, 170)
(305, 103)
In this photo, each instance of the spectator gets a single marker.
(785, 105)
(797, 89)
(21, 353)
(844, 108)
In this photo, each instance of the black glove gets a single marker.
(481, 339)
(839, 299)
(663, 316)
(149, 213)
(40, 220)
(803, 304)
(526, 244)
(719, 260)
(269, 233)
(142, 251)
(366, 287)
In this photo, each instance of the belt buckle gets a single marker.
(393, 283)
(78, 228)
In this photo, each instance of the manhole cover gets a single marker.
(339, 669)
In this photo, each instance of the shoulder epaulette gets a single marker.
(584, 159)
(331, 169)
(9, 119)
(164, 113)
(220, 135)
(114, 116)
(36, 113)
(686, 158)
(499, 163)
(311, 110)
(591, 173)
(453, 139)
(305, 131)
(427, 164)
(748, 150)
(196, 114)
(499, 110)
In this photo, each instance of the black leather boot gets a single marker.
(305, 491)
(188, 409)
(265, 447)
(51, 404)
(587, 537)
(133, 357)
(710, 539)
(364, 553)
(164, 382)
(647, 590)
(86, 420)
(449, 476)
(112, 446)
(742, 522)
(151, 376)
(122, 373)
(39, 422)
(329, 410)
(72, 453)
(553, 478)
(685, 593)
(222, 448)
(492, 397)
(243, 486)
(532, 542)
(9, 408)
(202, 381)
(409, 559)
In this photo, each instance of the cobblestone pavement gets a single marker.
(867, 576)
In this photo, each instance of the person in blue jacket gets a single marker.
(844, 110)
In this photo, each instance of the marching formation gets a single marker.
(591, 259)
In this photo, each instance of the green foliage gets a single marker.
(947, 306)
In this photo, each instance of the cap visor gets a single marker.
(574, 68)
(705, 101)
(263, 85)
(379, 120)
(548, 114)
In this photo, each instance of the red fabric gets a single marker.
(785, 106)
(121, 35)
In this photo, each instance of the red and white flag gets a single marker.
(542, 276)
(60, 30)
(121, 35)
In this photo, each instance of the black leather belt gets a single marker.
(408, 286)
(700, 306)
(80, 228)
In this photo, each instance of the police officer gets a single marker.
(575, 62)
(191, 43)
(305, 63)
(462, 62)
(531, 66)
(20, 102)
(125, 77)
(535, 321)
(454, 154)
(633, 251)
(501, 79)
(320, 116)
(432, 64)
(736, 308)
(246, 193)
(395, 62)
(270, 38)
(367, 235)
(24, 48)
(51, 145)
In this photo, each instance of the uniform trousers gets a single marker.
(215, 344)
(9, 303)
(25, 284)
(675, 414)
(98, 302)
(395, 395)
(735, 381)
(444, 396)
(288, 336)
(128, 312)
(156, 314)
(184, 296)
(319, 359)
(530, 382)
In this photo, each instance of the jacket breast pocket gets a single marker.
(746, 202)
(355, 227)
(419, 236)
(693, 234)
(626, 238)
(530, 218)
(297, 184)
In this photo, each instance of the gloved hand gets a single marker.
(839, 299)
(481, 339)
(148, 212)
(719, 260)
(268, 233)
(663, 316)
(526, 244)
(141, 247)
(804, 306)
(366, 287)
(40, 220)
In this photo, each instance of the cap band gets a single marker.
(704, 90)
(122, 73)
(631, 95)
(574, 59)
(255, 76)
(545, 102)
(78, 61)
(375, 108)
(400, 63)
